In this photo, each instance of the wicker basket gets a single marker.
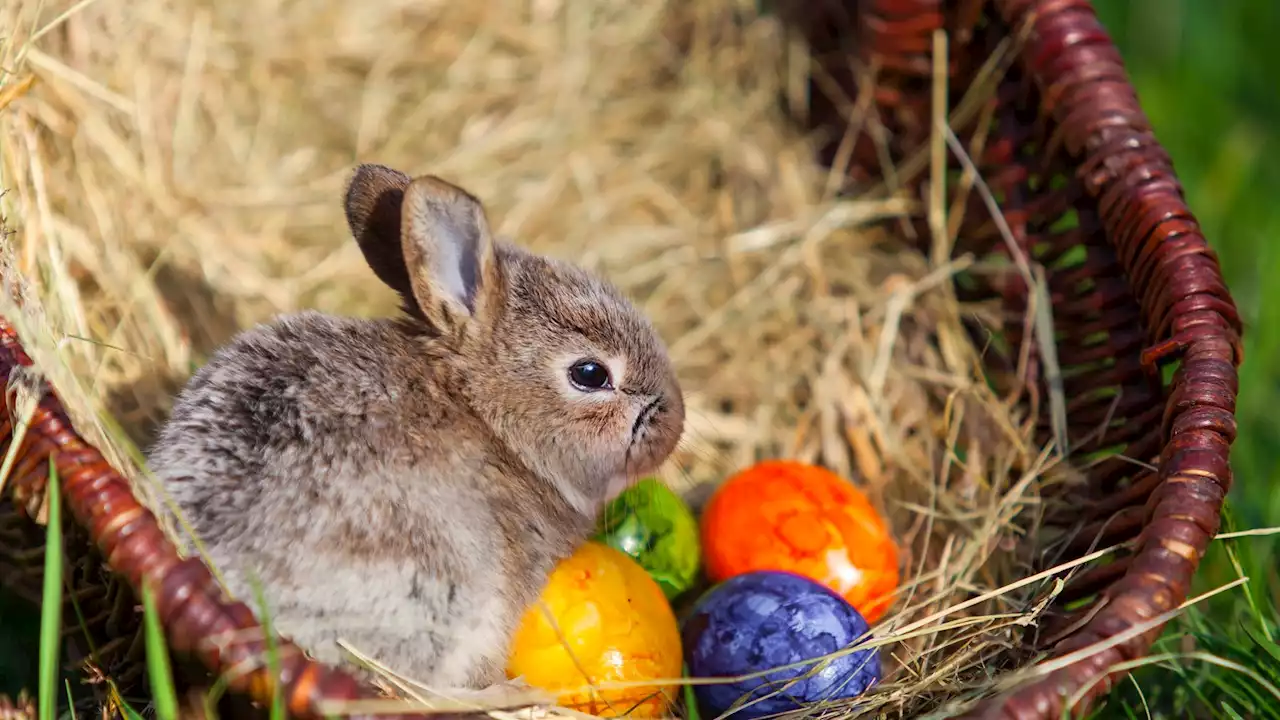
(1088, 198)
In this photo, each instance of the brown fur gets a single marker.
(407, 484)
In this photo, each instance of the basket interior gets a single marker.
(1040, 325)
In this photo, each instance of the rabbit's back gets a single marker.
(288, 405)
(316, 455)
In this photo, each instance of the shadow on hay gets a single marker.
(102, 635)
(208, 318)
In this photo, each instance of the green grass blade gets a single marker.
(115, 701)
(71, 702)
(129, 713)
(1265, 645)
(213, 696)
(690, 700)
(273, 654)
(163, 693)
(1233, 556)
(1146, 709)
(51, 601)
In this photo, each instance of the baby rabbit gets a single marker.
(407, 484)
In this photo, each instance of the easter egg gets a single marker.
(652, 524)
(600, 614)
(754, 622)
(784, 515)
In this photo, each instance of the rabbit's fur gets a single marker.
(406, 485)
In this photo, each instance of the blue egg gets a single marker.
(762, 620)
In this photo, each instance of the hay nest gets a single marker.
(173, 173)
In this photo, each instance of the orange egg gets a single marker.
(784, 515)
(611, 621)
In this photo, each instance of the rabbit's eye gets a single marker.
(590, 375)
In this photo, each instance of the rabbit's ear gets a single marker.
(374, 198)
(448, 250)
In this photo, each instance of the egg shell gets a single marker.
(790, 516)
(652, 524)
(609, 619)
(768, 620)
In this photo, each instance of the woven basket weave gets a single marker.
(1148, 338)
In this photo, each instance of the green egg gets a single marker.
(654, 526)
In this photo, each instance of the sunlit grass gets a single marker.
(273, 652)
(51, 603)
(50, 654)
(1205, 74)
(163, 694)
(1220, 660)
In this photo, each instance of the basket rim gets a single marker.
(1191, 310)
(1093, 114)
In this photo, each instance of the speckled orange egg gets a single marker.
(611, 621)
(785, 515)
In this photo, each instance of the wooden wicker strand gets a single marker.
(1156, 273)
(1189, 312)
(199, 619)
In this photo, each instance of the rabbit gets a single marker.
(407, 484)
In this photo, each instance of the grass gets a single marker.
(1206, 76)
(1221, 664)
(163, 695)
(273, 654)
(1178, 52)
(51, 602)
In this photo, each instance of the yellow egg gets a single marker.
(611, 621)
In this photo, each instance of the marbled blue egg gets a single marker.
(767, 619)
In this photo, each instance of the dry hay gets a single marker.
(174, 173)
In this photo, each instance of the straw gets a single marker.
(174, 173)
